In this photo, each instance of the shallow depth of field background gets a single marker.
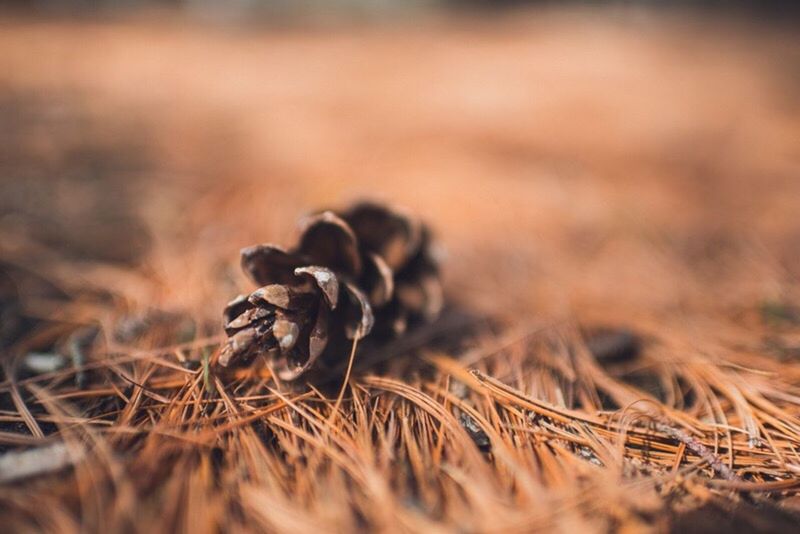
(624, 166)
(574, 159)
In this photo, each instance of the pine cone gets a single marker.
(366, 269)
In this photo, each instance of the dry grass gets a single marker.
(581, 172)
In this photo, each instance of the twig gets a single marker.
(18, 465)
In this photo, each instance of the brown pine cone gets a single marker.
(366, 269)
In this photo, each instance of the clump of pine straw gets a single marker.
(522, 430)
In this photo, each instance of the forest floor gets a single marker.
(618, 201)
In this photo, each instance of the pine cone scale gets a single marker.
(359, 317)
(326, 281)
(327, 240)
(267, 264)
(283, 296)
(378, 280)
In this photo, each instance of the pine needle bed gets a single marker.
(676, 237)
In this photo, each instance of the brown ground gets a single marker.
(581, 170)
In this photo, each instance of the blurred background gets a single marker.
(576, 159)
